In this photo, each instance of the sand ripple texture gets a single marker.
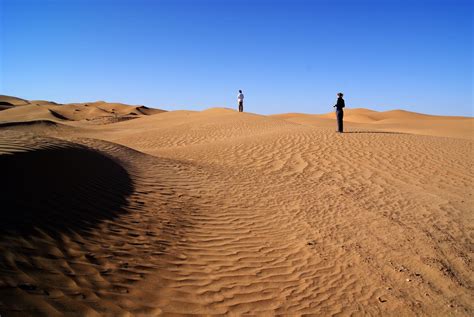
(217, 212)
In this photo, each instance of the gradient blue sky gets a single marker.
(287, 56)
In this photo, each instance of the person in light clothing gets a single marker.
(240, 101)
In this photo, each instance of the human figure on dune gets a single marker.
(240, 101)
(340, 104)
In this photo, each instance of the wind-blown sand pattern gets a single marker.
(219, 212)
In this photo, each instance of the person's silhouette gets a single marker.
(240, 101)
(340, 104)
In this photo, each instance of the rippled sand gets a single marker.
(220, 212)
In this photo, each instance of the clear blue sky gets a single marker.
(287, 56)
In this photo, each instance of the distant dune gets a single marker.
(7, 102)
(219, 212)
(394, 120)
(101, 112)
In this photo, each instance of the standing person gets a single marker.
(240, 101)
(340, 104)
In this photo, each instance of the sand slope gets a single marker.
(219, 212)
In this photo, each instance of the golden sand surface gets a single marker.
(106, 212)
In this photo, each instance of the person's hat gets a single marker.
(340, 94)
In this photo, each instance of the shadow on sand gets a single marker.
(384, 132)
(60, 189)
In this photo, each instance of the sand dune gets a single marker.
(393, 121)
(100, 112)
(220, 212)
(12, 101)
(7, 102)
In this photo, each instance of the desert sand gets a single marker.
(110, 209)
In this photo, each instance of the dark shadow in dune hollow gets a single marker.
(60, 189)
(5, 105)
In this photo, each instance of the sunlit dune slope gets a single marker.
(185, 128)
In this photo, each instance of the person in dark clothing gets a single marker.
(339, 112)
